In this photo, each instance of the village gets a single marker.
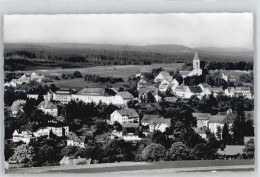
(204, 113)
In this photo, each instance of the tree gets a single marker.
(39, 99)
(250, 148)
(118, 126)
(225, 135)
(199, 152)
(179, 151)
(46, 155)
(24, 155)
(153, 152)
(77, 74)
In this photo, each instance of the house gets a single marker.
(23, 79)
(56, 130)
(127, 115)
(12, 83)
(202, 120)
(196, 68)
(37, 77)
(147, 119)
(47, 95)
(24, 136)
(163, 75)
(75, 140)
(160, 124)
(147, 93)
(238, 91)
(64, 95)
(17, 106)
(224, 76)
(232, 151)
(188, 91)
(219, 120)
(216, 91)
(67, 161)
(166, 84)
(48, 108)
(206, 89)
(130, 132)
(95, 95)
(122, 98)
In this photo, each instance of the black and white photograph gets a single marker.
(129, 93)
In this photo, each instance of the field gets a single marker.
(146, 167)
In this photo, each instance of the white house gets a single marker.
(188, 91)
(37, 77)
(122, 98)
(165, 84)
(24, 136)
(75, 140)
(219, 120)
(16, 106)
(160, 124)
(12, 83)
(58, 131)
(206, 89)
(48, 108)
(163, 75)
(196, 68)
(127, 115)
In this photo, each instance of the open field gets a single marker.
(123, 71)
(146, 167)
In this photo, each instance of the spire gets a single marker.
(196, 57)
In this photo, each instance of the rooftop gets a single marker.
(96, 92)
(129, 112)
(232, 150)
(201, 116)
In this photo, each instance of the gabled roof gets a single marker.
(148, 117)
(232, 150)
(195, 89)
(165, 74)
(130, 125)
(129, 112)
(47, 105)
(201, 116)
(76, 138)
(215, 89)
(125, 95)
(184, 73)
(217, 119)
(161, 121)
(96, 92)
(17, 105)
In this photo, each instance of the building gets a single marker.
(160, 124)
(238, 91)
(23, 136)
(147, 119)
(206, 89)
(127, 115)
(23, 79)
(64, 96)
(188, 91)
(47, 95)
(122, 98)
(58, 131)
(37, 77)
(196, 68)
(163, 75)
(48, 108)
(219, 120)
(232, 151)
(17, 106)
(166, 84)
(12, 83)
(97, 95)
(202, 120)
(75, 140)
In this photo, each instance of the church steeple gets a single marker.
(196, 61)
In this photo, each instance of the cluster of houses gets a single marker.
(26, 78)
(128, 118)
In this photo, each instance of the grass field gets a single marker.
(123, 71)
(135, 167)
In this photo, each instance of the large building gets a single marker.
(104, 95)
(196, 68)
(127, 115)
(64, 96)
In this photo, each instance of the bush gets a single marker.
(154, 152)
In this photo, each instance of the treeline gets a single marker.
(241, 65)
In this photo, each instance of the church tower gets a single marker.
(196, 61)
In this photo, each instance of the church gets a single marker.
(196, 68)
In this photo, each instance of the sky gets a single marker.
(192, 30)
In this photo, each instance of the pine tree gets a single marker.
(225, 135)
